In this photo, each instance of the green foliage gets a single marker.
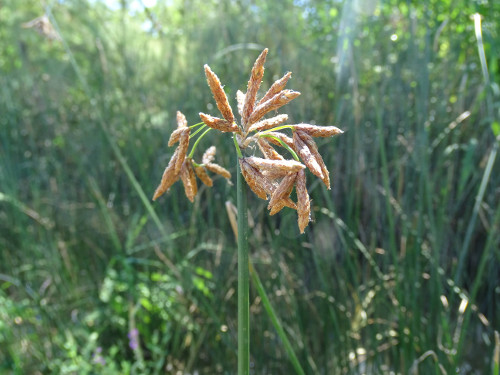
(374, 286)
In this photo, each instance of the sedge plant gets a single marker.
(272, 176)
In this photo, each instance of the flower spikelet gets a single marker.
(313, 148)
(303, 203)
(307, 157)
(219, 95)
(253, 87)
(218, 123)
(189, 180)
(203, 176)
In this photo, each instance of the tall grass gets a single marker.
(399, 270)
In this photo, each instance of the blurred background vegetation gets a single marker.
(398, 274)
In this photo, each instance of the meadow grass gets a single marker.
(397, 273)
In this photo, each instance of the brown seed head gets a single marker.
(252, 88)
(175, 136)
(168, 178)
(216, 168)
(189, 180)
(275, 88)
(277, 101)
(313, 148)
(318, 131)
(307, 157)
(181, 120)
(283, 190)
(183, 148)
(219, 95)
(303, 203)
(254, 179)
(203, 176)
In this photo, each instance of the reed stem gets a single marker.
(243, 277)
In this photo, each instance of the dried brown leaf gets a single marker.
(219, 95)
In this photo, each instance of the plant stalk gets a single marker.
(243, 277)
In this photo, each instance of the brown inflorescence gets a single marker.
(284, 158)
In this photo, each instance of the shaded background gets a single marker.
(398, 273)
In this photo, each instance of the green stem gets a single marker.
(198, 141)
(243, 277)
(275, 320)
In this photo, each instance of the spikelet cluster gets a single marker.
(183, 167)
(286, 150)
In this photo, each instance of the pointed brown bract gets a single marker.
(275, 88)
(277, 101)
(203, 176)
(283, 190)
(313, 148)
(254, 179)
(219, 123)
(216, 168)
(168, 178)
(307, 157)
(189, 180)
(253, 86)
(318, 131)
(268, 123)
(175, 136)
(274, 165)
(219, 95)
(303, 203)
(209, 155)
(181, 120)
(285, 202)
(267, 150)
(183, 147)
